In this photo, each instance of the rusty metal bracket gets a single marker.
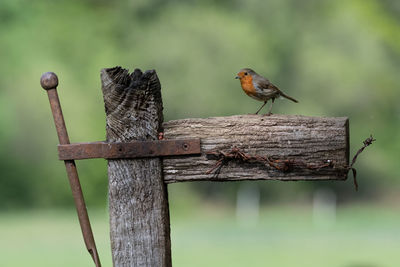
(135, 149)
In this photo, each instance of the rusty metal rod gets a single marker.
(49, 82)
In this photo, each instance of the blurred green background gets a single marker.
(338, 58)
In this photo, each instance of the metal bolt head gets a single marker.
(49, 80)
(185, 146)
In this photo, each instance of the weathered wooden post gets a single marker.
(138, 203)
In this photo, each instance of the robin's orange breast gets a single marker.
(247, 85)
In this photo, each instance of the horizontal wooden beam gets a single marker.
(309, 140)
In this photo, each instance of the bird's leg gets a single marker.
(265, 102)
(270, 108)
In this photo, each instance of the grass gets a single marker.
(362, 236)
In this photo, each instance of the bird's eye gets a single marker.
(245, 73)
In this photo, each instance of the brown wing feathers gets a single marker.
(264, 83)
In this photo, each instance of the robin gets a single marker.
(260, 88)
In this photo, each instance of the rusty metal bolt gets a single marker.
(49, 80)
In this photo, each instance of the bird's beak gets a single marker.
(237, 77)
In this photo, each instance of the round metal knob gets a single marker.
(49, 80)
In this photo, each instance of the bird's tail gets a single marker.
(288, 97)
